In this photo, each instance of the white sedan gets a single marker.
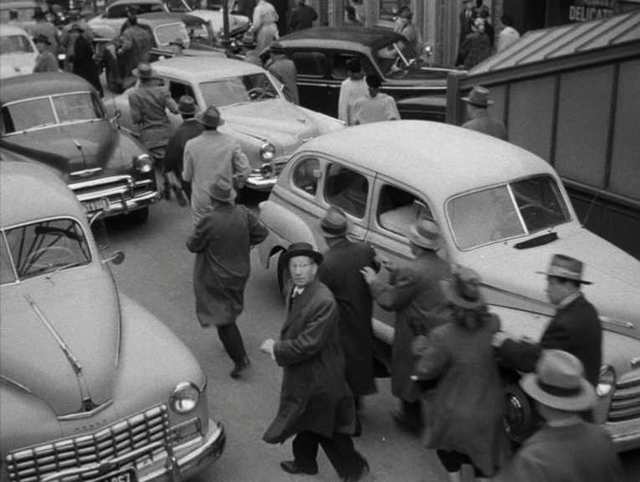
(17, 52)
(267, 126)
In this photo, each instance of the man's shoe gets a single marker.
(239, 368)
(291, 467)
(406, 423)
(364, 471)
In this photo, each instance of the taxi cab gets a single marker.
(502, 211)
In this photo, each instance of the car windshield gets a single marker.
(47, 111)
(43, 247)
(234, 90)
(15, 44)
(506, 211)
(395, 57)
(170, 32)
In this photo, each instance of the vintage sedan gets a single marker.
(267, 126)
(503, 212)
(321, 55)
(17, 52)
(83, 392)
(57, 118)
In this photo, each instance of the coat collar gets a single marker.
(300, 301)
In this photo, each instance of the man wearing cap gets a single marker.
(222, 240)
(479, 120)
(574, 328)
(283, 69)
(210, 156)
(45, 61)
(174, 155)
(316, 405)
(374, 106)
(340, 271)
(566, 448)
(351, 89)
(81, 58)
(413, 292)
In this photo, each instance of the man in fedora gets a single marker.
(148, 104)
(316, 405)
(413, 292)
(340, 271)
(566, 448)
(222, 240)
(574, 328)
(174, 155)
(45, 61)
(209, 156)
(479, 120)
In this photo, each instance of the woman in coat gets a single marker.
(82, 58)
(316, 404)
(466, 406)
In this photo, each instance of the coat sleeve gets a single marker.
(134, 109)
(433, 357)
(169, 103)
(312, 338)
(241, 167)
(398, 293)
(257, 231)
(198, 240)
(519, 354)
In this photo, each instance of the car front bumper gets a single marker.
(265, 177)
(625, 435)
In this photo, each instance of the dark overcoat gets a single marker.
(467, 406)
(340, 271)
(414, 293)
(315, 396)
(83, 63)
(487, 125)
(222, 241)
(575, 328)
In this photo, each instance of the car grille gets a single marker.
(117, 440)
(94, 194)
(625, 404)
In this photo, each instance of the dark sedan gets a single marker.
(321, 54)
(58, 119)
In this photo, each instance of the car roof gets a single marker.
(19, 181)
(205, 68)
(332, 36)
(37, 85)
(8, 29)
(439, 159)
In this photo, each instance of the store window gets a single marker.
(399, 209)
(347, 189)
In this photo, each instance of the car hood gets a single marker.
(42, 315)
(274, 120)
(68, 148)
(16, 64)
(615, 291)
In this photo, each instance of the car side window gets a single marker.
(339, 64)
(306, 175)
(312, 64)
(399, 209)
(117, 11)
(178, 89)
(347, 189)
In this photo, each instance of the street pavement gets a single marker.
(157, 273)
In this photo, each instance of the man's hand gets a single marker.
(368, 274)
(267, 347)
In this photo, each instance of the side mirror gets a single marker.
(115, 258)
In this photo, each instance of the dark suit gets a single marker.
(575, 328)
(302, 17)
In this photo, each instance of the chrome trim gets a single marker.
(635, 362)
(98, 182)
(85, 172)
(81, 415)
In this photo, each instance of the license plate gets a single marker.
(96, 205)
(127, 475)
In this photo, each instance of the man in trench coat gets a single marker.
(414, 293)
(340, 271)
(222, 240)
(316, 404)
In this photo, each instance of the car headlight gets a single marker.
(267, 152)
(143, 163)
(184, 398)
(607, 381)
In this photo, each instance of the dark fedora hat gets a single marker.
(41, 38)
(334, 223)
(479, 96)
(222, 191)
(301, 249)
(425, 234)
(144, 71)
(187, 105)
(464, 289)
(566, 267)
(210, 117)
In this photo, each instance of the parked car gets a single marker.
(84, 394)
(321, 55)
(17, 52)
(267, 126)
(58, 118)
(502, 211)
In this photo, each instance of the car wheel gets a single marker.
(520, 417)
(139, 216)
(283, 275)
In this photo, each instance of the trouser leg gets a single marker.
(305, 449)
(232, 341)
(347, 461)
(413, 411)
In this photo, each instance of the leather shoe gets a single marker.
(292, 467)
(239, 368)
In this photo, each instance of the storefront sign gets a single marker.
(560, 12)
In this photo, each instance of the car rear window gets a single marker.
(313, 64)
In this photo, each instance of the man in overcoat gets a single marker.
(283, 69)
(316, 405)
(414, 293)
(340, 271)
(222, 240)
(479, 120)
(575, 327)
(566, 448)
